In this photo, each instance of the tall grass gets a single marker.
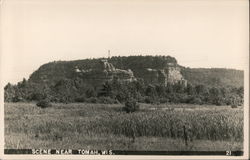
(65, 122)
(207, 125)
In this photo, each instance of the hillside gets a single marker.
(214, 77)
(145, 79)
(52, 72)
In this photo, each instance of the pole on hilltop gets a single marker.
(108, 54)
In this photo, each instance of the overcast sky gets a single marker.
(198, 33)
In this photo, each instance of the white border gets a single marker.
(3, 156)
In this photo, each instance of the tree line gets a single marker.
(115, 91)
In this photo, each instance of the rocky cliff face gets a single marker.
(103, 71)
(170, 74)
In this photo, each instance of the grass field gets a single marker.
(101, 126)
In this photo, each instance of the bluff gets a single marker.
(151, 69)
(155, 70)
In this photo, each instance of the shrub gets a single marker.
(235, 101)
(149, 100)
(131, 106)
(194, 100)
(17, 99)
(90, 92)
(164, 100)
(44, 104)
(106, 100)
(91, 100)
(36, 96)
(80, 99)
(234, 106)
(175, 97)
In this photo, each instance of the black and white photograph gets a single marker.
(124, 79)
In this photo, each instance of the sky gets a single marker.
(198, 33)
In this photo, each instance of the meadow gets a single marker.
(172, 127)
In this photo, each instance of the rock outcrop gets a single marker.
(104, 71)
(170, 74)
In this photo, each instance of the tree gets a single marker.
(200, 89)
(169, 88)
(90, 92)
(178, 88)
(160, 90)
(215, 96)
(65, 90)
(106, 90)
(44, 103)
(22, 84)
(190, 90)
(150, 91)
(131, 106)
(9, 92)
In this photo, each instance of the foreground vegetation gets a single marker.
(105, 126)
(115, 91)
(59, 82)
